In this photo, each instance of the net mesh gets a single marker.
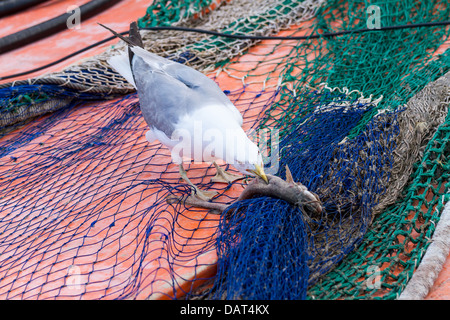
(361, 121)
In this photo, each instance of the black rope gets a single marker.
(52, 26)
(311, 36)
(8, 7)
(61, 59)
(235, 36)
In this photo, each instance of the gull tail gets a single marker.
(122, 62)
(133, 39)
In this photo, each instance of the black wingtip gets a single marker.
(134, 35)
(126, 39)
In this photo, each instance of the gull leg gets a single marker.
(201, 194)
(223, 176)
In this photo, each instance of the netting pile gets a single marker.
(362, 120)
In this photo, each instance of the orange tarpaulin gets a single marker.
(90, 252)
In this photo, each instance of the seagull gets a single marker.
(187, 112)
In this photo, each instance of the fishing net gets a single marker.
(360, 119)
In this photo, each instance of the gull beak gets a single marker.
(259, 171)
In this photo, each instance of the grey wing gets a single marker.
(163, 99)
(204, 85)
(190, 77)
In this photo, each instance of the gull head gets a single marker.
(248, 160)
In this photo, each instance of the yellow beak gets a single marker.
(259, 171)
